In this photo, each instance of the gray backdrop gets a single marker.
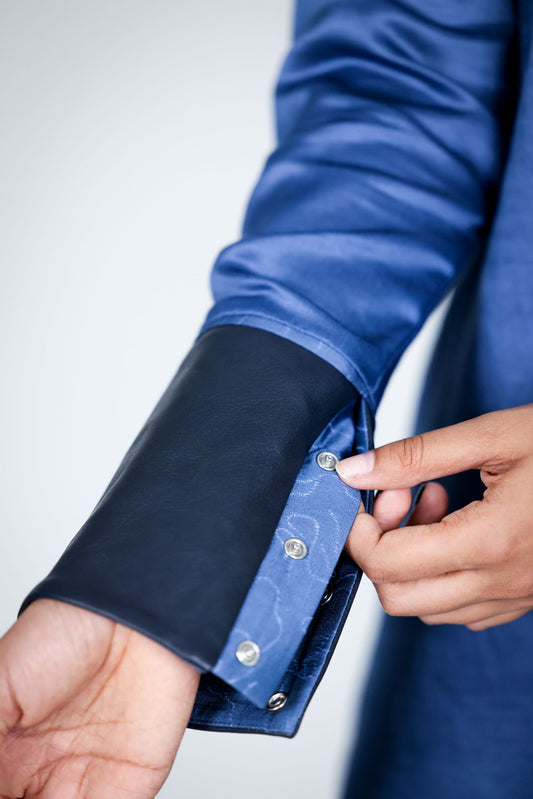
(132, 134)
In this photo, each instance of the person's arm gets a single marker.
(391, 139)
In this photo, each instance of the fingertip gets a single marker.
(350, 469)
(364, 535)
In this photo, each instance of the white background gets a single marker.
(132, 134)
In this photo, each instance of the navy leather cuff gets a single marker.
(175, 541)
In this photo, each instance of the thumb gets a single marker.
(413, 460)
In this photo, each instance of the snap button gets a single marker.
(277, 701)
(295, 548)
(248, 653)
(327, 461)
(328, 593)
(326, 596)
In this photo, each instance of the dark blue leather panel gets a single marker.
(175, 541)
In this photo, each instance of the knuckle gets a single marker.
(460, 519)
(389, 607)
(410, 453)
(502, 436)
(513, 591)
(431, 620)
(376, 573)
(493, 468)
(475, 626)
(491, 550)
(389, 600)
(518, 587)
(501, 548)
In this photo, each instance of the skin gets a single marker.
(472, 567)
(91, 709)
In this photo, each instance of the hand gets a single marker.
(89, 709)
(473, 566)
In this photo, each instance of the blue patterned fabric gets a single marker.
(286, 592)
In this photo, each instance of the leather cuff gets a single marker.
(175, 541)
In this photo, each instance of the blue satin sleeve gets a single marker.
(392, 118)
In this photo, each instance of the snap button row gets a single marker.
(248, 652)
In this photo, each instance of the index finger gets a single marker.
(475, 443)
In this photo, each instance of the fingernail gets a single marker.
(356, 466)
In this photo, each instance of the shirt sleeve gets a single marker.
(393, 120)
(221, 533)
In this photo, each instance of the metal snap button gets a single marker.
(328, 593)
(326, 596)
(248, 653)
(295, 548)
(277, 701)
(327, 461)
